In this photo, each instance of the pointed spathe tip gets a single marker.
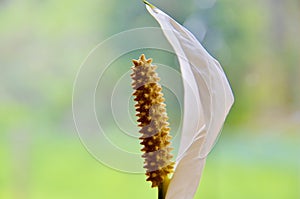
(150, 5)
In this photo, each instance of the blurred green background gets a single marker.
(42, 44)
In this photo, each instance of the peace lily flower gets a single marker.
(207, 101)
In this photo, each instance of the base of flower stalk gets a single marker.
(161, 194)
(162, 188)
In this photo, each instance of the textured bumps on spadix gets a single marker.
(152, 118)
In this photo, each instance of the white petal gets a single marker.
(207, 101)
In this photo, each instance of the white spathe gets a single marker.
(207, 101)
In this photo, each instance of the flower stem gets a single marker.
(163, 187)
(161, 194)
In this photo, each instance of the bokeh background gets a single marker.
(43, 43)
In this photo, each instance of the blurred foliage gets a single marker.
(43, 43)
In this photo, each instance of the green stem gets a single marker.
(163, 187)
(161, 194)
